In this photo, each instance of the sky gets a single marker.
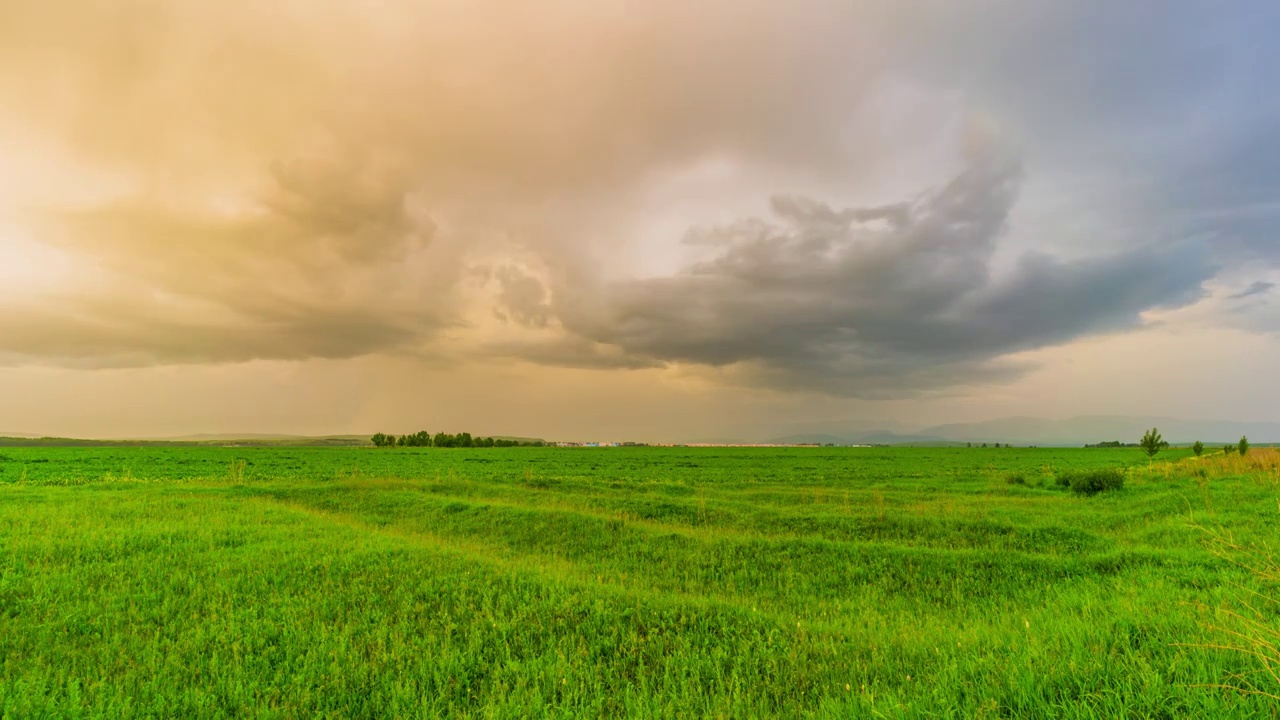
(635, 221)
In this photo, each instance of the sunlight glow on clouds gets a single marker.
(884, 200)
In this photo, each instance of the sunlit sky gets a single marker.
(647, 221)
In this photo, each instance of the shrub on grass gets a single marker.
(1016, 478)
(1092, 482)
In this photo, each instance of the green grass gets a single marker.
(647, 582)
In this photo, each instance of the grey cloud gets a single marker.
(1259, 287)
(842, 301)
(574, 352)
(1227, 189)
(1163, 109)
(1252, 309)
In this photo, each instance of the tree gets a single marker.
(422, 438)
(1198, 448)
(1227, 449)
(1152, 443)
(1243, 446)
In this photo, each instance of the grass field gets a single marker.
(647, 582)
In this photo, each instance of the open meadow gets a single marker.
(644, 582)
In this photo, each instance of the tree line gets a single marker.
(422, 438)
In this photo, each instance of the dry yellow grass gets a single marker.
(1249, 627)
(1265, 461)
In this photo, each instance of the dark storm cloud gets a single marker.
(878, 300)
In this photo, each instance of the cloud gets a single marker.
(873, 301)
(314, 266)
(309, 182)
(523, 299)
(315, 181)
(1259, 287)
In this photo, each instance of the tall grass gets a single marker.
(1259, 463)
(1250, 624)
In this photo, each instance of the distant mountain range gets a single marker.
(876, 437)
(1069, 431)
(1075, 431)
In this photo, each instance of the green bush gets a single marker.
(1016, 478)
(1092, 482)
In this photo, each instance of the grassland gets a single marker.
(867, 582)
